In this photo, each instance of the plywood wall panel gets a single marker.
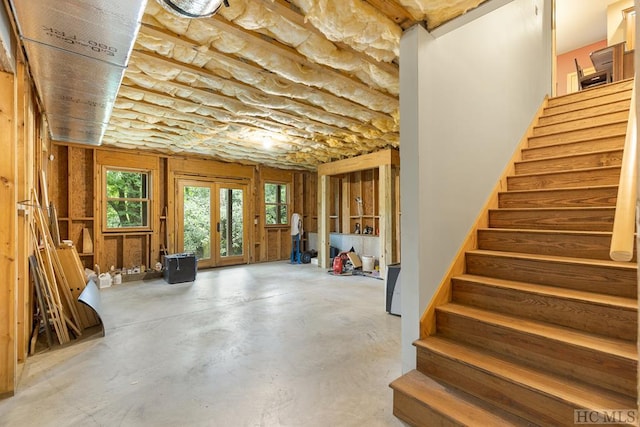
(81, 182)
(58, 183)
(112, 252)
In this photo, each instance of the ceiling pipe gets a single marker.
(193, 8)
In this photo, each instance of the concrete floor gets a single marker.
(261, 345)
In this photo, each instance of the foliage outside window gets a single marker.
(127, 199)
(231, 223)
(275, 200)
(197, 221)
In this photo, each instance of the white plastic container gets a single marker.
(105, 280)
(368, 262)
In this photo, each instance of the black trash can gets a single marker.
(180, 268)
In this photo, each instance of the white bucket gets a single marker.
(368, 262)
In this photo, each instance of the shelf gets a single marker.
(89, 254)
(354, 234)
(125, 234)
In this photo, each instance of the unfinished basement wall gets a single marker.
(76, 181)
(467, 97)
(19, 172)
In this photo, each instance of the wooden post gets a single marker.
(323, 221)
(386, 212)
(23, 315)
(8, 238)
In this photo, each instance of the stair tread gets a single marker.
(556, 232)
(583, 118)
(446, 401)
(553, 291)
(538, 190)
(549, 114)
(580, 395)
(560, 144)
(563, 208)
(595, 126)
(554, 258)
(617, 347)
(568, 156)
(619, 86)
(568, 171)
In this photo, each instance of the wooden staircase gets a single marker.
(541, 322)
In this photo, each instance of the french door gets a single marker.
(212, 221)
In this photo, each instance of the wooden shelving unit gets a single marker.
(361, 191)
(71, 191)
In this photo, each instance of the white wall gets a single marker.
(616, 28)
(466, 99)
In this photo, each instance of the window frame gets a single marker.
(278, 203)
(148, 200)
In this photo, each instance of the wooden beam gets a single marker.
(324, 194)
(366, 161)
(394, 11)
(386, 212)
(8, 237)
(24, 315)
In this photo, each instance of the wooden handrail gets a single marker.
(622, 239)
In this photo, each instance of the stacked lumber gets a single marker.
(59, 279)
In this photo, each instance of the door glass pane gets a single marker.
(231, 222)
(197, 221)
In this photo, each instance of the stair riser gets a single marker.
(606, 320)
(584, 161)
(606, 131)
(583, 178)
(575, 148)
(594, 219)
(561, 198)
(618, 281)
(613, 107)
(588, 98)
(586, 365)
(558, 244)
(515, 398)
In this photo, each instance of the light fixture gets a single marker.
(193, 8)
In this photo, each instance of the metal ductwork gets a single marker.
(78, 51)
(193, 8)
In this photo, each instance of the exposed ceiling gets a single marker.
(286, 83)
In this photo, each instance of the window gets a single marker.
(275, 200)
(127, 199)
